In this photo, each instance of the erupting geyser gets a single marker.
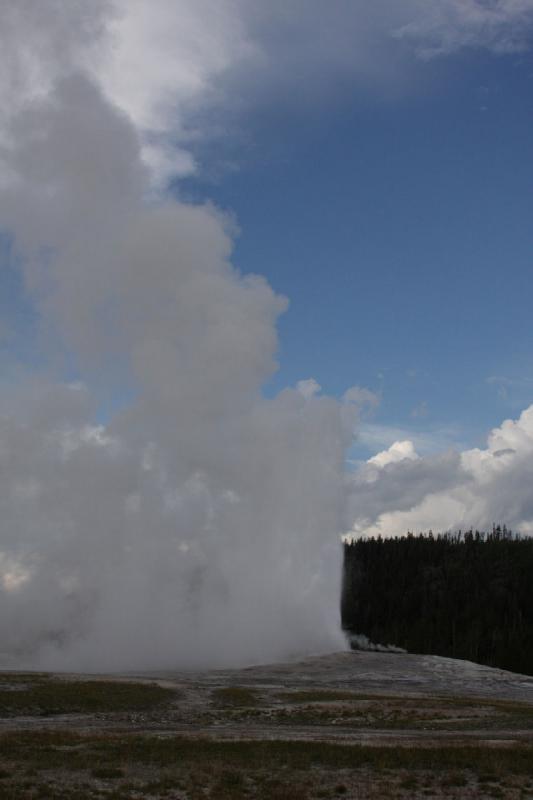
(199, 524)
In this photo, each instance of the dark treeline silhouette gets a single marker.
(465, 595)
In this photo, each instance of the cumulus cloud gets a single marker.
(398, 451)
(396, 491)
(309, 387)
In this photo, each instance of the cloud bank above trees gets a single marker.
(398, 490)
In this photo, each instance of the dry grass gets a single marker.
(67, 765)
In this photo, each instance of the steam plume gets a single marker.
(199, 523)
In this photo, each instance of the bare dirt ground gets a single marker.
(356, 724)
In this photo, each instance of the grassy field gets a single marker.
(40, 695)
(69, 765)
(118, 740)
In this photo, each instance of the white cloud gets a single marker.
(477, 487)
(167, 52)
(308, 388)
(398, 451)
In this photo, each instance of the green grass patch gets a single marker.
(48, 696)
(50, 749)
(235, 697)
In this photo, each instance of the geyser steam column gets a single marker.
(200, 524)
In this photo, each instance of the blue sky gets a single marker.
(400, 229)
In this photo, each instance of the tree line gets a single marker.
(465, 595)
